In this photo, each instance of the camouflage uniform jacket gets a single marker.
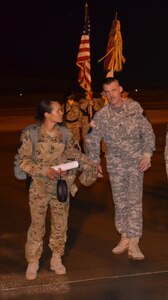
(83, 104)
(127, 133)
(73, 113)
(97, 104)
(50, 151)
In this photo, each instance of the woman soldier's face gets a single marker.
(56, 114)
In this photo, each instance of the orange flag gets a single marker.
(114, 57)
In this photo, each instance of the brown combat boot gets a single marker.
(122, 245)
(31, 272)
(134, 251)
(56, 264)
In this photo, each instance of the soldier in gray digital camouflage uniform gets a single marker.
(130, 144)
(166, 152)
(50, 150)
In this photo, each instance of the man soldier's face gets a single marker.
(113, 93)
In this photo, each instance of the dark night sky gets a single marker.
(40, 39)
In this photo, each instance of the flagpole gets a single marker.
(83, 59)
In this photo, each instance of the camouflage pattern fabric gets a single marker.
(88, 110)
(39, 200)
(104, 148)
(73, 118)
(127, 134)
(97, 104)
(50, 151)
(84, 107)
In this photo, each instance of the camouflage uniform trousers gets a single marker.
(42, 194)
(127, 187)
(104, 148)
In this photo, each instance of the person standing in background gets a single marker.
(85, 105)
(73, 116)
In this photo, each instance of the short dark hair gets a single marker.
(43, 107)
(109, 80)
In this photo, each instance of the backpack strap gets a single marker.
(33, 129)
(34, 134)
(65, 133)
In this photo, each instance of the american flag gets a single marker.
(83, 58)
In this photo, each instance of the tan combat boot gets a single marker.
(122, 245)
(133, 251)
(56, 264)
(31, 272)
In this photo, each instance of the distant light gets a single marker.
(21, 95)
(136, 90)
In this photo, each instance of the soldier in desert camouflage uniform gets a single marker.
(130, 143)
(103, 101)
(97, 104)
(88, 108)
(166, 151)
(73, 116)
(84, 104)
(50, 150)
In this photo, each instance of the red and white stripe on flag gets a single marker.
(83, 62)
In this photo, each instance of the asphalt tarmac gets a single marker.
(93, 272)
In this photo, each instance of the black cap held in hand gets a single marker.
(62, 190)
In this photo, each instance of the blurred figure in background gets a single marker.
(85, 105)
(124, 95)
(73, 116)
